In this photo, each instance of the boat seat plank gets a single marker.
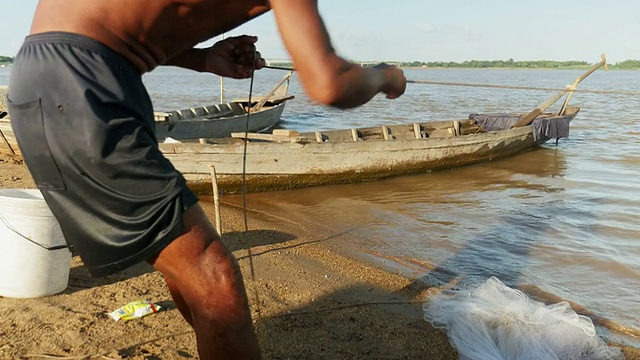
(385, 132)
(204, 112)
(355, 135)
(285, 132)
(418, 132)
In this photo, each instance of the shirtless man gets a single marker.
(85, 125)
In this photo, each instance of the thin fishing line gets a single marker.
(244, 185)
(425, 82)
(523, 87)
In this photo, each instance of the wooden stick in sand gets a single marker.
(216, 198)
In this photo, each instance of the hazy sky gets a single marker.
(446, 30)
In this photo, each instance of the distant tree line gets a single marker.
(5, 60)
(627, 64)
(528, 64)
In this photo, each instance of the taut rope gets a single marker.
(615, 92)
(445, 83)
(244, 188)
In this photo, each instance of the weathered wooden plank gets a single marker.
(267, 137)
(285, 132)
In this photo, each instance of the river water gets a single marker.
(562, 220)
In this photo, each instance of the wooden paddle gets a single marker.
(528, 119)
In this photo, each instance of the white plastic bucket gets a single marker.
(34, 258)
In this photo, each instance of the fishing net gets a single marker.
(491, 321)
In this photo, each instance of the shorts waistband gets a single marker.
(79, 40)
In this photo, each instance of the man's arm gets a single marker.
(193, 59)
(326, 77)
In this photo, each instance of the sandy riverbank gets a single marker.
(308, 302)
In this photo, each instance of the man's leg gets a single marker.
(206, 284)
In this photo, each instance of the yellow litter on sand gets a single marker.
(134, 310)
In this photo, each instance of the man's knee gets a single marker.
(185, 253)
(197, 262)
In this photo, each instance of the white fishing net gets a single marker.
(491, 321)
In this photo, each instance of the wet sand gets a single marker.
(307, 300)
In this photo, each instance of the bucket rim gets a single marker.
(6, 194)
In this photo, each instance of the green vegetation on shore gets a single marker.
(529, 64)
(491, 64)
(5, 60)
(470, 64)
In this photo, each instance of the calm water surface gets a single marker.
(563, 220)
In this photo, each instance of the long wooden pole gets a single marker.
(264, 100)
(575, 85)
(528, 119)
(216, 198)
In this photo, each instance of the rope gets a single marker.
(522, 87)
(103, 355)
(244, 187)
(609, 92)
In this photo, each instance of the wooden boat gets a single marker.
(218, 120)
(207, 121)
(286, 159)
(221, 120)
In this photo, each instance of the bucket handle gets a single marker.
(50, 248)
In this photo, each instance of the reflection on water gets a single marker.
(561, 219)
(519, 219)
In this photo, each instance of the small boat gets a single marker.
(222, 119)
(208, 121)
(286, 159)
(217, 120)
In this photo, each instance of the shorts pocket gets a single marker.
(27, 121)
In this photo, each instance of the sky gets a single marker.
(445, 30)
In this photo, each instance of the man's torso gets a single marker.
(147, 32)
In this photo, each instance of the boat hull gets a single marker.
(279, 165)
(269, 165)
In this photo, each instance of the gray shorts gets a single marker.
(84, 123)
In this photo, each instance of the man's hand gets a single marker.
(395, 83)
(234, 57)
